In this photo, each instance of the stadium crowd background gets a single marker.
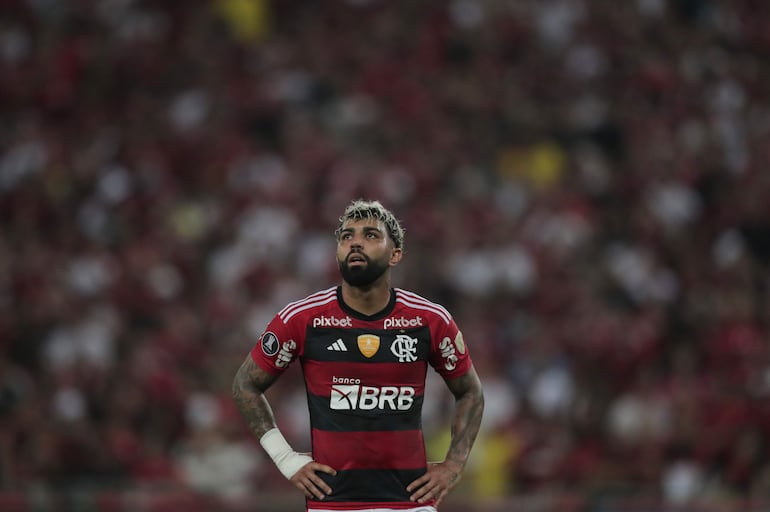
(584, 184)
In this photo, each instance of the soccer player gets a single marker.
(364, 348)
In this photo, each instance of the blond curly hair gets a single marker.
(363, 209)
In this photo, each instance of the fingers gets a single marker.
(426, 487)
(312, 485)
(323, 468)
(311, 490)
(426, 493)
(418, 483)
(435, 484)
(422, 494)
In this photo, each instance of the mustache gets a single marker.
(356, 252)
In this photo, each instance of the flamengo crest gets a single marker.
(404, 348)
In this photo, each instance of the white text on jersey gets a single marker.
(347, 397)
(331, 321)
(400, 323)
(284, 357)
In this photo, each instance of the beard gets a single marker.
(362, 276)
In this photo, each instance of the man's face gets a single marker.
(365, 251)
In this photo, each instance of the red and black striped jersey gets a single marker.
(365, 381)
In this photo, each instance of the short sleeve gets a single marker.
(449, 354)
(277, 347)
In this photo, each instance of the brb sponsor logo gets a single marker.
(331, 321)
(349, 395)
(402, 322)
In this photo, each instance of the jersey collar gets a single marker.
(387, 310)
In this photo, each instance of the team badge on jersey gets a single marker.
(404, 348)
(368, 344)
(270, 344)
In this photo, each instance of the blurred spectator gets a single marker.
(208, 459)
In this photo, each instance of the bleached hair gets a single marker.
(363, 209)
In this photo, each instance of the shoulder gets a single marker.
(418, 302)
(310, 303)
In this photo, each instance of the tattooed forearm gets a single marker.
(249, 385)
(469, 407)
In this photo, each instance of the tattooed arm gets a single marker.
(249, 388)
(469, 407)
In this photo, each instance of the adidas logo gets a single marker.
(338, 346)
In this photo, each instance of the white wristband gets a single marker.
(287, 460)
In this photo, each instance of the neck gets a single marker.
(369, 300)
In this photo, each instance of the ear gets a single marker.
(395, 257)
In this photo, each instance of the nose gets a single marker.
(356, 240)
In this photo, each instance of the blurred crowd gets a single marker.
(584, 184)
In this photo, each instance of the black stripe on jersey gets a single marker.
(370, 485)
(320, 339)
(324, 418)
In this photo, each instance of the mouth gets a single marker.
(356, 258)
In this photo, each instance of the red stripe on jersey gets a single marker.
(316, 299)
(415, 301)
(319, 375)
(403, 449)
